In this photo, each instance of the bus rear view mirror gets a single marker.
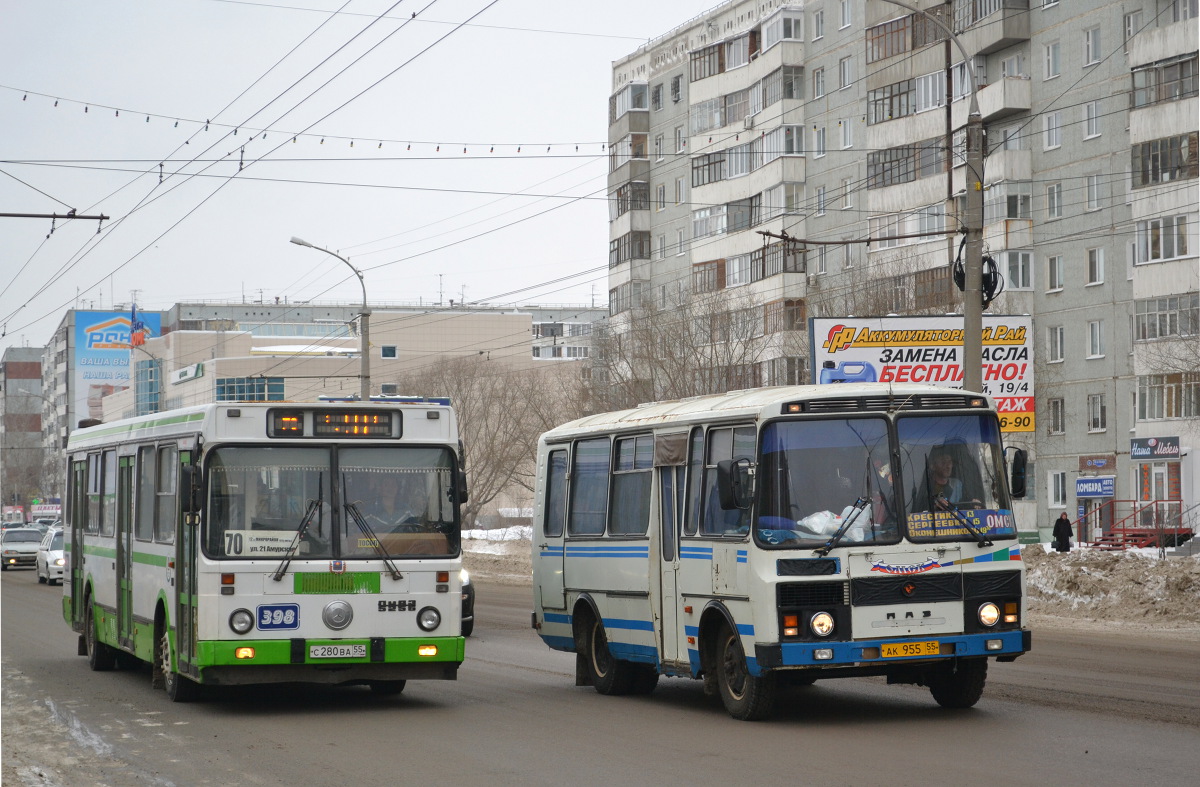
(733, 483)
(462, 487)
(1016, 486)
(189, 488)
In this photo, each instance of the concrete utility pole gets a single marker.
(972, 360)
(364, 341)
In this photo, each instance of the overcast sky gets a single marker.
(129, 108)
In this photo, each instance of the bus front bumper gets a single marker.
(1005, 645)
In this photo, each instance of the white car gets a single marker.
(19, 546)
(49, 563)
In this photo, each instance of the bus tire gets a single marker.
(609, 675)
(746, 697)
(386, 688)
(179, 688)
(101, 658)
(959, 684)
(645, 679)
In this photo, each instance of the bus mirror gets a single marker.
(1016, 486)
(733, 483)
(189, 489)
(462, 487)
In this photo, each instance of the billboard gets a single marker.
(102, 351)
(929, 350)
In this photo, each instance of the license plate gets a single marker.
(337, 651)
(892, 650)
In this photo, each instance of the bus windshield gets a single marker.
(390, 501)
(817, 475)
(953, 467)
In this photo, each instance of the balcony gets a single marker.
(987, 26)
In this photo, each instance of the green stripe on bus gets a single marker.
(274, 651)
(131, 429)
(151, 560)
(328, 582)
(99, 551)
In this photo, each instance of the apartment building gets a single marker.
(773, 161)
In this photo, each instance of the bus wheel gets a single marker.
(386, 688)
(747, 697)
(645, 679)
(959, 684)
(179, 688)
(608, 675)
(101, 657)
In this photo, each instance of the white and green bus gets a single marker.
(245, 543)
(778, 536)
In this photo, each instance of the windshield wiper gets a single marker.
(366, 530)
(309, 513)
(856, 511)
(946, 505)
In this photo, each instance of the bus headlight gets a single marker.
(989, 614)
(241, 621)
(429, 619)
(821, 624)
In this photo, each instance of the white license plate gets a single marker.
(337, 651)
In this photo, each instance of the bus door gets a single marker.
(125, 552)
(548, 566)
(185, 554)
(76, 523)
(670, 457)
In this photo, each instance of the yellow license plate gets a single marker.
(892, 650)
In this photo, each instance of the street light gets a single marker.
(973, 264)
(364, 343)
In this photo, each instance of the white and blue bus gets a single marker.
(245, 543)
(778, 536)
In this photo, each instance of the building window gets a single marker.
(1095, 339)
(1019, 265)
(1162, 318)
(661, 196)
(1052, 130)
(387, 351)
(1054, 350)
(1182, 10)
(1171, 81)
(847, 193)
(1164, 160)
(707, 62)
(1168, 396)
(822, 254)
(818, 82)
(1058, 417)
(680, 242)
(1132, 24)
(1054, 272)
(1091, 119)
(677, 89)
(1097, 413)
(680, 139)
(847, 127)
(1095, 271)
(629, 196)
(1161, 239)
(630, 246)
(820, 200)
(1013, 66)
(818, 26)
(656, 101)
(845, 72)
(906, 163)
(1051, 63)
(249, 389)
(1091, 46)
(1058, 486)
(1008, 200)
(680, 190)
(930, 91)
(661, 252)
(888, 39)
(786, 26)
(890, 102)
(708, 168)
(631, 97)
(1094, 198)
(1054, 201)
(820, 143)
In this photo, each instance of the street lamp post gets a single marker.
(972, 361)
(364, 352)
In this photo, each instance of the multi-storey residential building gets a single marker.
(841, 123)
(23, 475)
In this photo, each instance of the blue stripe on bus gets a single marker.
(742, 556)
(638, 549)
(559, 643)
(801, 653)
(646, 654)
(622, 623)
(696, 553)
(644, 553)
(556, 617)
(691, 631)
(746, 629)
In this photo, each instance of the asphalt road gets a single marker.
(1081, 709)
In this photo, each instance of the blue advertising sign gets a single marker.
(1099, 486)
(102, 350)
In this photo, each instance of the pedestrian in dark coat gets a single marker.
(1062, 533)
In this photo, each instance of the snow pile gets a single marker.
(1134, 587)
(1085, 586)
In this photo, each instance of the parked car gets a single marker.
(468, 604)
(19, 546)
(49, 563)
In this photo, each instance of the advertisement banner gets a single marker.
(929, 350)
(1097, 486)
(102, 351)
(1150, 448)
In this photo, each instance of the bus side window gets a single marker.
(556, 494)
(143, 528)
(164, 521)
(589, 488)
(695, 471)
(630, 510)
(725, 444)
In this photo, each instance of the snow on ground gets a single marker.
(1084, 588)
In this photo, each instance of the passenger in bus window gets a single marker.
(939, 489)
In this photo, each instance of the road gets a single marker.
(1082, 708)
